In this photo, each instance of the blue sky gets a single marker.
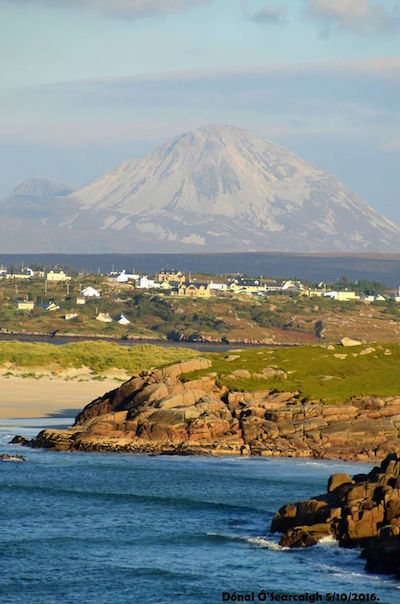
(85, 84)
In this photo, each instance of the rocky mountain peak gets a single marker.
(217, 188)
(41, 187)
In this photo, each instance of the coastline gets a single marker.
(201, 345)
(28, 397)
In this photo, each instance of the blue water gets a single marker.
(96, 528)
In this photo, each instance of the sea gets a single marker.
(110, 529)
(329, 268)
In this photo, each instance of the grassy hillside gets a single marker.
(333, 374)
(97, 356)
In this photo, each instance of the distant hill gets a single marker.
(215, 189)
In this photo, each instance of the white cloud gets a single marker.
(354, 15)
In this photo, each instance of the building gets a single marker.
(219, 287)
(246, 286)
(315, 293)
(171, 275)
(124, 277)
(342, 296)
(57, 276)
(122, 320)
(194, 290)
(81, 300)
(146, 283)
(71, 315)
(293, 286)
(90, 292)
(272, 286)
(25, 305)
(104, 317)
(3, 273)
(51, 306)
(25, 273)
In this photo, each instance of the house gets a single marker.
(25, 305)
(81, 300)
(171, 275)
(124, 277)
(71, 315)
(122, 320)
(168, 285)
(3, 273)
(25, 273)
(342, 296)
(246, 286)
(315, 293)
(194, 290)
(292, 286)
(219, 287)
(57, 276)
(51, 306)
(272, 286)
(146, 283)
(90, 292)
(104, 317)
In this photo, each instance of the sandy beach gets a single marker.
(29, 397)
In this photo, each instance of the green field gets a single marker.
(314, 371)
(333, 374)
(97, 356)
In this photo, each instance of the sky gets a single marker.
(86, 84)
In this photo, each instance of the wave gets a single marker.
(154, 499)
(262, 542)
(328, 541)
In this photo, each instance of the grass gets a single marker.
(97, 356)
(314, 371)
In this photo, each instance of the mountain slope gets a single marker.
(217, 188)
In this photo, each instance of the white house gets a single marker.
(123, 320)
(124, 277)
(146, 283)
(51, 306)
(220, 287)
(90, 292)
(104, 317)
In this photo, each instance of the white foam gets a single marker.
(263, 542)
(328, 541)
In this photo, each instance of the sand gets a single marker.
(30, 398)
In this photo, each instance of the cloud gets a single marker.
(270, 14)
(359, 16)
(357, 98)
(123, 8)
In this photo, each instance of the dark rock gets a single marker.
(356, 512)
(6, 457)
(19, 440)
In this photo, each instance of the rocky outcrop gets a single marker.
(163, 411)
(6, 457)
(360, 511)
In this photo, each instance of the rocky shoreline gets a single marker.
(359, 511)
(161, 411)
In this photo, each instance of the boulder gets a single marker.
(363, 510)
(348, 342)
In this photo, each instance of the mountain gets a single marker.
(41, 187)
(217, 188)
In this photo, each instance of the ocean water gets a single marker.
(110, 529)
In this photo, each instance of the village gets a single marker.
(173, 305)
